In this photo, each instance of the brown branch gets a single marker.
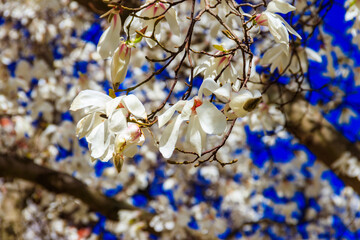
(307, 123)
(14, 166)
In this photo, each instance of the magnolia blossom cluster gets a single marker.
(275, 189)
(112, 131)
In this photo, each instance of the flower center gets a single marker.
(197, 103)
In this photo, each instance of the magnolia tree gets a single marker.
(210, 119)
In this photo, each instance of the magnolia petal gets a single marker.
(130, 150)
(208, 87)
(223, 93)
(289, 28)
(277, 29)
(312, 55)
(193, 134)
(188, 109)
(97, 140)
(112, 105)
(166, 116)
(110, 38)
(211, 119)
(119, 64)
(237, 103)
(86, 124)
(270, 55)
(134, 106)
(108, 154)
(171, 19)
(89, 98)
(169, 137)
(117, 121)
(280, 6)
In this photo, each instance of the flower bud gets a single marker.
(110, 39)
(119, 64)
(245, 102)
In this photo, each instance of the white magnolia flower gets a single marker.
(277, 25)
(212, 68)
(279, 59)
(204, 118)
(110, 39)
(152, 12)
(105, 119)
(119, 64)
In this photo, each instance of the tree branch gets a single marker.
(307, 123)
(12, 165)
(15, 166)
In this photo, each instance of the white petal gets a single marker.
(280, 6)
(208, 87)
(169, 137)
(223, 93)
(97, 140)
(110, 38)
(312, 55)
(237, 102)
(89, 98)
(277, 29)
(119, 64)
(193, 134)
(166, 116)
(86, 124)
(133, 104)
(112, 105)
(117, 121)
(130, 150)
(171, 19)
(289, 28)
(211, 119)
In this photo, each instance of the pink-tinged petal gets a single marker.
(171, 19)
(134, 106)
(280, 6)
(211, 119)
(110, 38)
(89, 98)
(169, 137)
(119, 64)
(166, 116)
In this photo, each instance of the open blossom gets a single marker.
(105, 122)
(277, 25)
(119, 64)
(152, 12)
(110, 39)
(280, 60)
(213, 67)
(204, 118)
